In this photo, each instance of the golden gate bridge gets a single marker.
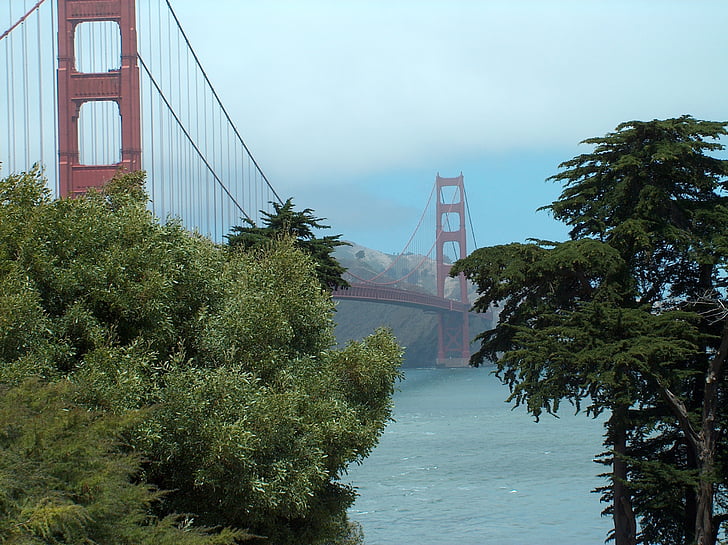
(92, 87)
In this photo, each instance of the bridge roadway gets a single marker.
(380, 294)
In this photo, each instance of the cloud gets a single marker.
(345, 88)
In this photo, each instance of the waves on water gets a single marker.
(459, 466)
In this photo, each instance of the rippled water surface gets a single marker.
(458, 466)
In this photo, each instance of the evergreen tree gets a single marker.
(628, 315)
(285, 221)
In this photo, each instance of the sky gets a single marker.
(352, 107)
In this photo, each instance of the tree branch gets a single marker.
(680, 411)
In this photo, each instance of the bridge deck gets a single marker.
(365, 292)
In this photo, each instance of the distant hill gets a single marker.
(415, 329)
(363, 262)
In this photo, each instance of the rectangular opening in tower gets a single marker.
(451, 222)
(99, 133)
(450, 194)
(97, 47)
(451, 252)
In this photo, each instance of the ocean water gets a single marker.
(459, 466)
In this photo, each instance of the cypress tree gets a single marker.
(629, 317)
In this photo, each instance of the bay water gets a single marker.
(460, 466)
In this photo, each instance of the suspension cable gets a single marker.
(22, 19)
(401, 253)
(412, 271)
(189, 138)
(219, 102)
(470, 218)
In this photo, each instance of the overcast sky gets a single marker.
(352, 107)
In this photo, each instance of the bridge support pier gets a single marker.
(453, 342)
(453, 331)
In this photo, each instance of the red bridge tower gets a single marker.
(119, 85)
(453, 332)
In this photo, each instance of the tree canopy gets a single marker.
(300, 226)
(215, 368)
(629, 317)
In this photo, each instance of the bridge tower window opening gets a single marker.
(451, 252)
(451, 222)
(450, 194)
(99, 133)
(97, 46)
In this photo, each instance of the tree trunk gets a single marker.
(625, 525)
(704, 441)
(691, 498)
(705, 533)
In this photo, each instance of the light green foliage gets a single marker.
(65, 477)
(250, 415)
(629, 316)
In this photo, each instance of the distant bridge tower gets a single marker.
(118, 85)
(453, 332)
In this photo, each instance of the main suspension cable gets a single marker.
(219, 102)
(191, 141)
(22, 19)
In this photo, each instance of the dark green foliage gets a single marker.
(249, 416)
(628, 316)
(285, 221)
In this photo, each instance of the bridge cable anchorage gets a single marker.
(222, 107)
(190, 140)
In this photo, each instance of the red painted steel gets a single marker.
(75, 88)
(453, 331)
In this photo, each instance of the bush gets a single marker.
(249, 415)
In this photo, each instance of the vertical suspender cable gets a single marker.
(8, 102)
(188, 156)
(219, 102)
(470, 219)
(152, 161)
(41, 122)
(175, 178)
(26, 98)
(11, 117)
(54, 47)
(162, 173)
(170, 127)
(197, 132)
